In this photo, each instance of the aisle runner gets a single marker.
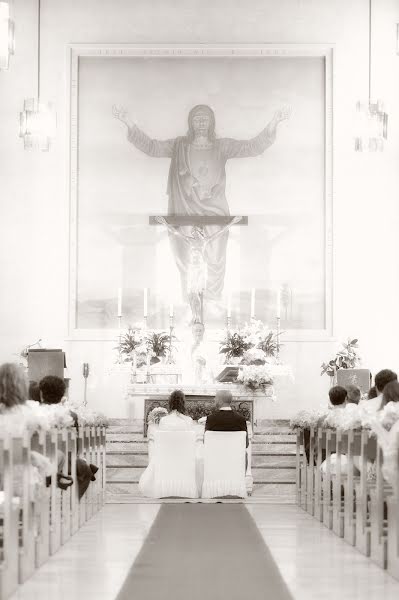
(204, 552)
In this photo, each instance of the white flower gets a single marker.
(255, 377)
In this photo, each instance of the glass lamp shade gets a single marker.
(371, 127)
(37, 124)
(7, 40)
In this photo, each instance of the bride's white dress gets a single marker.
(174, 421)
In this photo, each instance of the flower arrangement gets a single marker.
(130, 342)
(158, 344)
(305, 419)
(255, 377)
(346, 358)
(389, 415)
(156, 414)
(254, 344)
(234, 345)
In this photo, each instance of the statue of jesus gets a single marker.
(197, 180)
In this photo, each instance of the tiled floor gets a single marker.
(313, 561)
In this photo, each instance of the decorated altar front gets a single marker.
(143, 397)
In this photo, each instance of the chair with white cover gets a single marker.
(174, 458)
(224, 464)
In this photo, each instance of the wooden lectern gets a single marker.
(42, 362)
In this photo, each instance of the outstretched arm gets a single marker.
(172, 230)
(222, 230)
(257, 145)
(154, 148)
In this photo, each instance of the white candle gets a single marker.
(252, 303)
(229, 305)
(278, 303)
(145, 308)
(171, 310)
(119, 302)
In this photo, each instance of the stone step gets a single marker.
(132, 446)
(125, 429)
(131, 474)
(277, 493)
(262, 459)
(125, 437)
(265, 448)
(126, 459)
(273, 439)
(259, 459)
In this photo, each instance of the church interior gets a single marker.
(199, 265)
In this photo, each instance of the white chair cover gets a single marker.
(224, 464)
(174, 464)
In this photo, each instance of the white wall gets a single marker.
(34, 207)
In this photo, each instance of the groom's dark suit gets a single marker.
(226, 420)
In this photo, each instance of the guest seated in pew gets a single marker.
(52, 391)
(372, 393)
(381, 380)
(353, 394)
(338, 400)
(34, 392)
(390, 393)
(13, 397)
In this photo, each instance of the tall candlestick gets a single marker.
(252, 303)
(145, 307)
(119, 302)
(171, 311)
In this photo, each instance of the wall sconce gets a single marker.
(7, 39)
(37, 122)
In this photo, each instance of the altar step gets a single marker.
(273, 462)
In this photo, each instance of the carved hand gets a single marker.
(121, 113)
(282, 114)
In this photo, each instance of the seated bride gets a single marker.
(176, 420)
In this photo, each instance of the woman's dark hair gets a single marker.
(177, 401)
(383, 378)
(390, 393)
(372, 393)
(34, 391)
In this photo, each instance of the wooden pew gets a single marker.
(9, 519)
(27, 533)
(318, 480)
(393, 524)
(42, 550)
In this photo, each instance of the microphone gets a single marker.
(86, 370)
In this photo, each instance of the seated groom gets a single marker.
(225, 418)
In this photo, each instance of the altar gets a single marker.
(144, 397)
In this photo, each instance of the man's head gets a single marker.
(372, 393)
(353, 393)
(223, 398)
(201, 122)
(383, 378)
(198, 331)
(52, 389)
(337, 395)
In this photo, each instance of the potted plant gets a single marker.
(346, 358)
(233, 346)
(159, 344)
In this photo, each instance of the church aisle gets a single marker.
(315, 563)
(93, 564)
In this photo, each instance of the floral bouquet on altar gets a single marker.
(255, 377)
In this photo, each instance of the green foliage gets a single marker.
(269, 344)
(159, 343)
(234, 345)
(346, 358)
